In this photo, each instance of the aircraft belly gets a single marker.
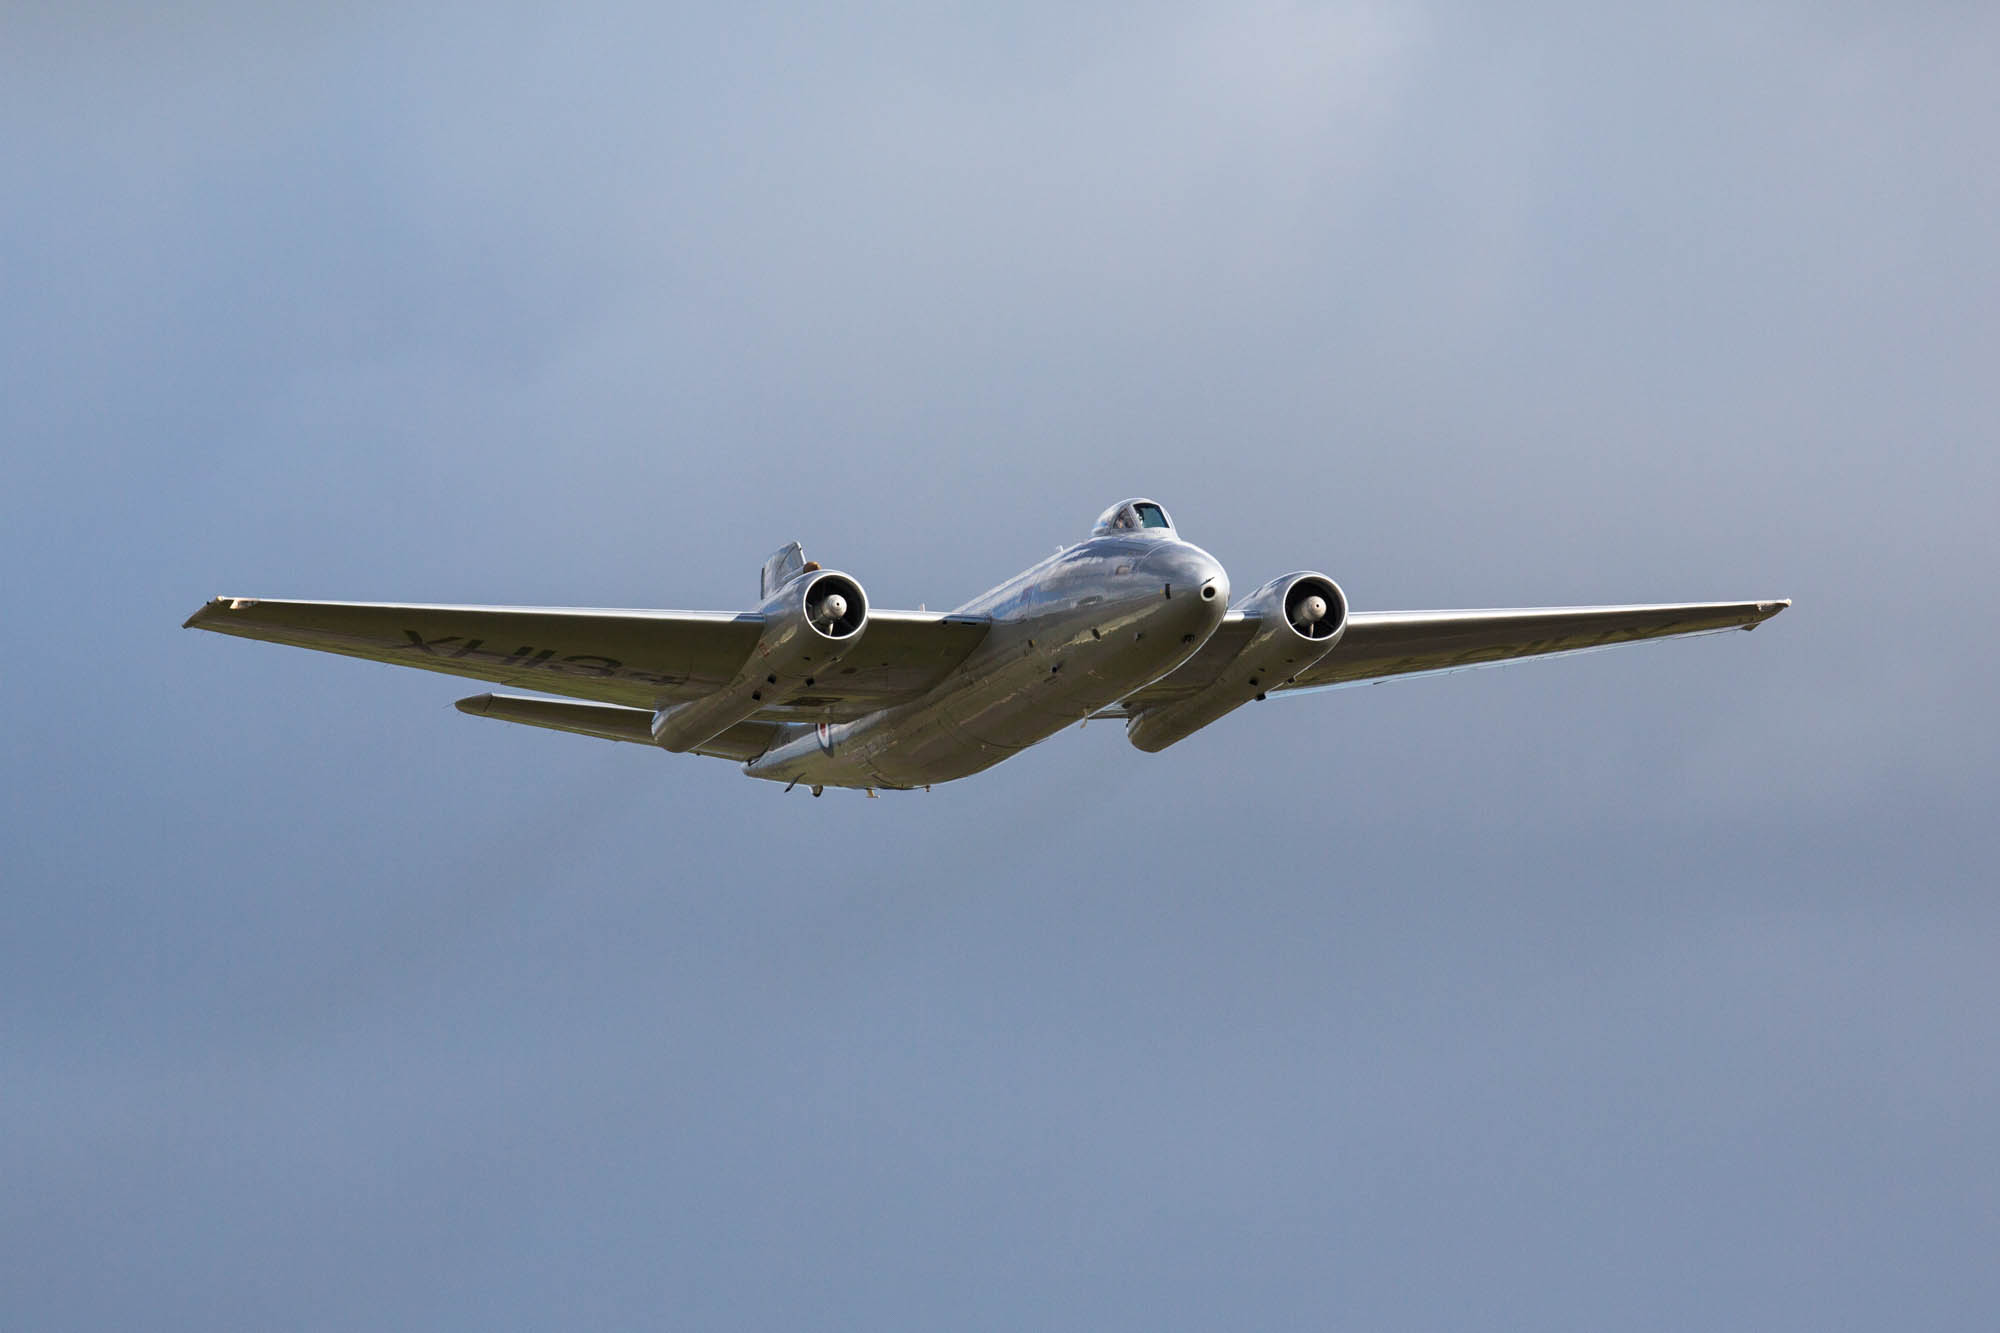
(1040, 669)
(1035, 686)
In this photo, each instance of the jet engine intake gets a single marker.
(1315, 609)
(835, 606)
(810, 623)
(1298, 619)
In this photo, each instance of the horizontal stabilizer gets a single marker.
(607, 721)
(742, 742)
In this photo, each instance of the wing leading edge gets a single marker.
(1381, 645)
(632, 658)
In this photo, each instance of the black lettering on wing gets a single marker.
(429, 647)
(588, 664)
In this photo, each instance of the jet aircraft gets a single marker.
(816, 686)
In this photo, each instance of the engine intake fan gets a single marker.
(835, 606)
(1315, 608)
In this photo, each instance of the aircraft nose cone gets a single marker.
(1189, 571)
(1215, 585)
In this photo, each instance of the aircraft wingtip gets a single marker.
(209, 610)
(477, 705)
(1765, 610)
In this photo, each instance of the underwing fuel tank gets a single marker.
(1300, 617)
(810, 623)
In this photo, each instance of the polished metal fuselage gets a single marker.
(1079, 631)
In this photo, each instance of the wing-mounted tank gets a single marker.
(1299, 618)
(812, 618)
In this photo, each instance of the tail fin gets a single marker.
(789, 560)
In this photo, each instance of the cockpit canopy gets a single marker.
(1133, 516)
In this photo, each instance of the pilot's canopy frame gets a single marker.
(1133, 516)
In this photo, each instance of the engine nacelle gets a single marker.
(810, 623)
(1300, 617)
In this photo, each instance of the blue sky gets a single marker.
(1650, 989)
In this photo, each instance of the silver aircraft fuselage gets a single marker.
(1073, 634)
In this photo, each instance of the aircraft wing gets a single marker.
(638, 659)
(1381, 645)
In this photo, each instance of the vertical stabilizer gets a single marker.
(788, 561)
